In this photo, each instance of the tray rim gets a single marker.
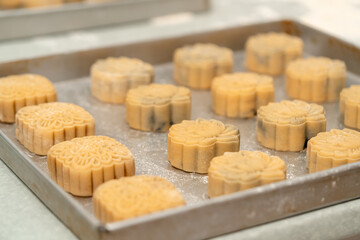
(117, 226)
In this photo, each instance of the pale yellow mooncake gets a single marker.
(156, 107)
(236, 171)
(269, 53)
(41, 126)
(350, 106)
(80, 165)
(193, 143)
(287, 125)
(196, 65)
(18, 91)
(241, 94)
(111, 78)
(131, 197)
(332, 149)
(315, 79)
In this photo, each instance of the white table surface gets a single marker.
(22, 214)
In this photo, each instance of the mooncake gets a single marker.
(111, 78)
(315, 79)
(80, 165)
(18, 91)
(269, 53)
(39, 127)
(287, 125)
(350, 106)
(332, 149)
(241, 94)
(192, 144)
(155, 107)
(131, 197)
(196, 65)
(236, 171)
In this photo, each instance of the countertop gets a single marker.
(23, 215)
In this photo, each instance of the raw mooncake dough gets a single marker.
(131, 197)
(80, 165)
(193, 143)
(287, 125)
(269, 53)
(350, 106)
(241, 94)
(332, 149)
(196, 65)
(18, 91)
(235, 171)
(155, 107)
(111, 78)
(40, 127)
(315, 79)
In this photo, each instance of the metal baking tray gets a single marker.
(202, 217)
(72, 16)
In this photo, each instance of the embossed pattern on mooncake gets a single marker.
(193, 143)
(332, 149)
(317, 79)
(131, 197)
(287, 125)
(80, 165)
(350, 106)
(269, 53)
(111, 78)
(196, 65)
(236, 171)
(156, 107)
(241, 94)
(40, 127)
(18, 91)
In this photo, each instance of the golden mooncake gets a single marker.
(241, 94)
(236, 171)
(193, 143)
(80, 165)
(350, 106)
(332, 149)
(135, 196)
(269, 53)
(111, 78)
(41, 126)
(156, 107)
(18, 91)
(287, 125)
(196, 65)
(315, 79)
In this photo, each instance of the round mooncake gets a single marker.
(41, 126)
(111, 78)
(236, 171)
(196, 65)
(80, 165)
(156, 107)
(131, 197)
(18, 91)
(193, 143)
